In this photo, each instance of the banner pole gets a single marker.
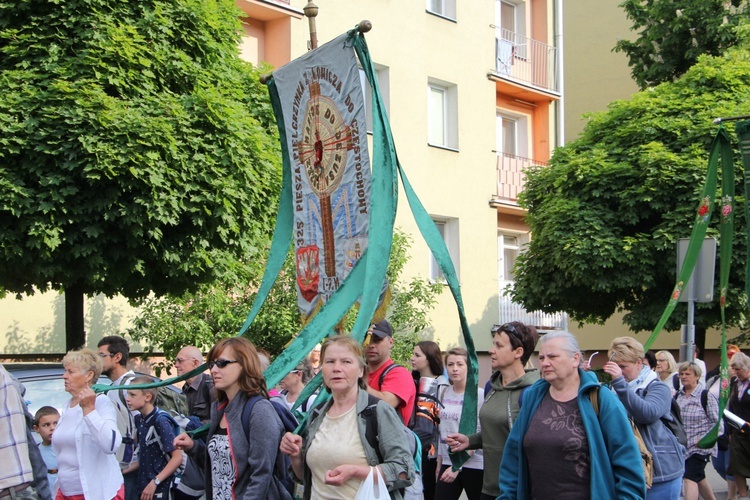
(311, 11)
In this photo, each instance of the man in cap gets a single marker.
(386, 380)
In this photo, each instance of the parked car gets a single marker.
(44, 384)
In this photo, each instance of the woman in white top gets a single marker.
(469, 477)
(86, 437)
(666, 369)
(293, 383)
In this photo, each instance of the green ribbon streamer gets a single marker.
(721, 151)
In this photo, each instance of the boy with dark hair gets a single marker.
(45, 422)
(158, 459)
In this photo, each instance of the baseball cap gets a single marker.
(382, 329)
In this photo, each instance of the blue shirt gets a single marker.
(155, 443)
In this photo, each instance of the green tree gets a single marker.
(137, 152)
(607, 213)
(672, 35)
(217, 310)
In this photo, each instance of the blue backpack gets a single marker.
(283, 462)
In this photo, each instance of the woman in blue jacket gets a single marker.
(646, 400)
(559, 447)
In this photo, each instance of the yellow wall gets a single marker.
(594, 75)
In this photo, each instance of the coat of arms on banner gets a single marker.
(324, 117)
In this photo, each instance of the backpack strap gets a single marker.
(381, 379)
(676, 383)
(124, 381)
(370, 414)
(245, 418)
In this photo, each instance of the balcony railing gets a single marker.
(527, 61)
(511, 176)
(510, 311)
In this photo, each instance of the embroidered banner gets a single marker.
(323, 111)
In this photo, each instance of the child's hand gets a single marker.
(148, 491)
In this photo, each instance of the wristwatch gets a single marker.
(157, 482)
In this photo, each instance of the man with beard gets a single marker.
(114, 352)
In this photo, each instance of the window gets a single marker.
(512, 134)
(510, 32)
(382, 73)
(507, 253)
(442, 114)
(448, 228)
(442, 8)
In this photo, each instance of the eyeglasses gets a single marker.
(661, 360)
(221, 363)
(105, 355)
(183, 360)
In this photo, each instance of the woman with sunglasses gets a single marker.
(239, 463)
(512, 346)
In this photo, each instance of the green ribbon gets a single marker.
(720, 152)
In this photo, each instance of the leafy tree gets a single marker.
(607, 213)
(672, 35)
(217, 310)
(136, 148)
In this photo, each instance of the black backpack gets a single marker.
(425, 417)
(673, 421)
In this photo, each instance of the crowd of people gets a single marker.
(549, 432)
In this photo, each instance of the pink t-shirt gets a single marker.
(399, 382)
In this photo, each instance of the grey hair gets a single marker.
(741, 361)
(570, 343)
(693, 367)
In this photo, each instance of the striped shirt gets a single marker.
(15, 466)
(696, 420)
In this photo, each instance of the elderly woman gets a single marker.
(241, 450)
(564, 447)
(697, 421)
(647, 400)
(293, 384)
(86, 437)
(334, 456)
(666, 369)
(512, 346)
(739, 404)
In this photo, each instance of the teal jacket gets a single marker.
(615, 459)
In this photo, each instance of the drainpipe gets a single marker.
(561, 73)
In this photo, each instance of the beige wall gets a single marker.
(594, 75)
(36, 324)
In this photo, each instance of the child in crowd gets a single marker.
(158, 459)
(45, 422)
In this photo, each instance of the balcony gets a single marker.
(530, 64)
(511, 177)
(510, 311)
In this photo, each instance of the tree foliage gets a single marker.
(672, 35)
(217, 310)
(136, 148)
(607, 213)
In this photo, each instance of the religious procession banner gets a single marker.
(324, 112)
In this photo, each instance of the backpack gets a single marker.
(647, 460)
(370, 415)
(673, 421)
(283, 462)
(153, 437)
(425, 417)
(170, 401)
(126, 425)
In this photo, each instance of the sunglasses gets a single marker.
(508, 328)
(221, 363)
